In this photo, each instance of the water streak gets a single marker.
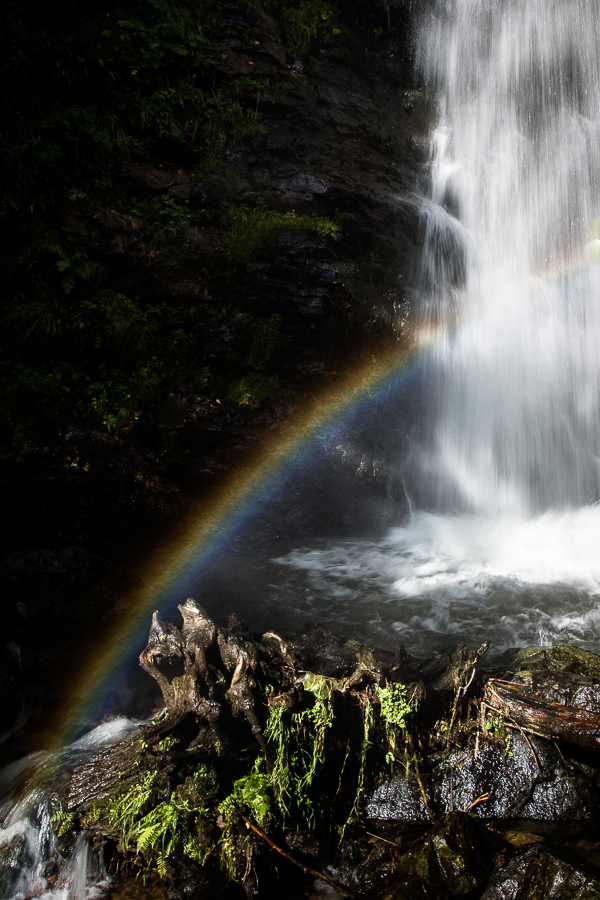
(31, 862)
(514, 390)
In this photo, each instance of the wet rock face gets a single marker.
(535, 874)
(13, 857)
(509, 784)
(343, 137)
(455, 859)
(531, 781)
(497, 765)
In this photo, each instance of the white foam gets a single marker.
(516, 580)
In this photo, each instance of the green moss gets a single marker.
(247, 229)
(394, 707)
(564, 657)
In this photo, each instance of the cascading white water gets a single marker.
(30, 862)
(503, 539)
(515, 414)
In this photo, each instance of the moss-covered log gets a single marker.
(259, 735)
(312, 745)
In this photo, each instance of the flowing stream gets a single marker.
(503, 471)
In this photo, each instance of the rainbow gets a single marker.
(171, 577)
(175, 573)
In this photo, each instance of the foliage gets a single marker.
(229, 119)
(295, 767)
(254, 793)
(170, 452)
(62, 820)
(246, 229)
(394, 707)
(368, 723)
(164, 219)
(308, 23)
(305, 22)
(155, 828)
(116, 80)
(303, 780)
(496, 726)
(256, 386)
(79, 350)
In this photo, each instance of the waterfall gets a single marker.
(513, 391)
(32, 862)
(503, 474)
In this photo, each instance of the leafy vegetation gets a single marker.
(304, 23)
(121, 82)
(156, 828)
(164, 219)
(394, 707)
(247, 229)
(257, 386)
(307, 23)
(294, 768)
(77, 348)
(117, 77)
(170, 451)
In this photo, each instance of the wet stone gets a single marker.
(536, 874)
(529, 779)
(398, 800)
(563, 657)
(581, 691)
(13, 848)
(454, 860)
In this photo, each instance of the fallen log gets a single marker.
(573, 724)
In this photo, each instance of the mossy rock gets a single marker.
(453, 860)
(537, 875)
(411, 888)
(563, 657)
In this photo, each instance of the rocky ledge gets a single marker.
(284, 763)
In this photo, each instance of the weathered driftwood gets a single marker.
(545, 717)
(196, 658)
(268, 743)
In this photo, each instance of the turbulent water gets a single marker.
(31, 864)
